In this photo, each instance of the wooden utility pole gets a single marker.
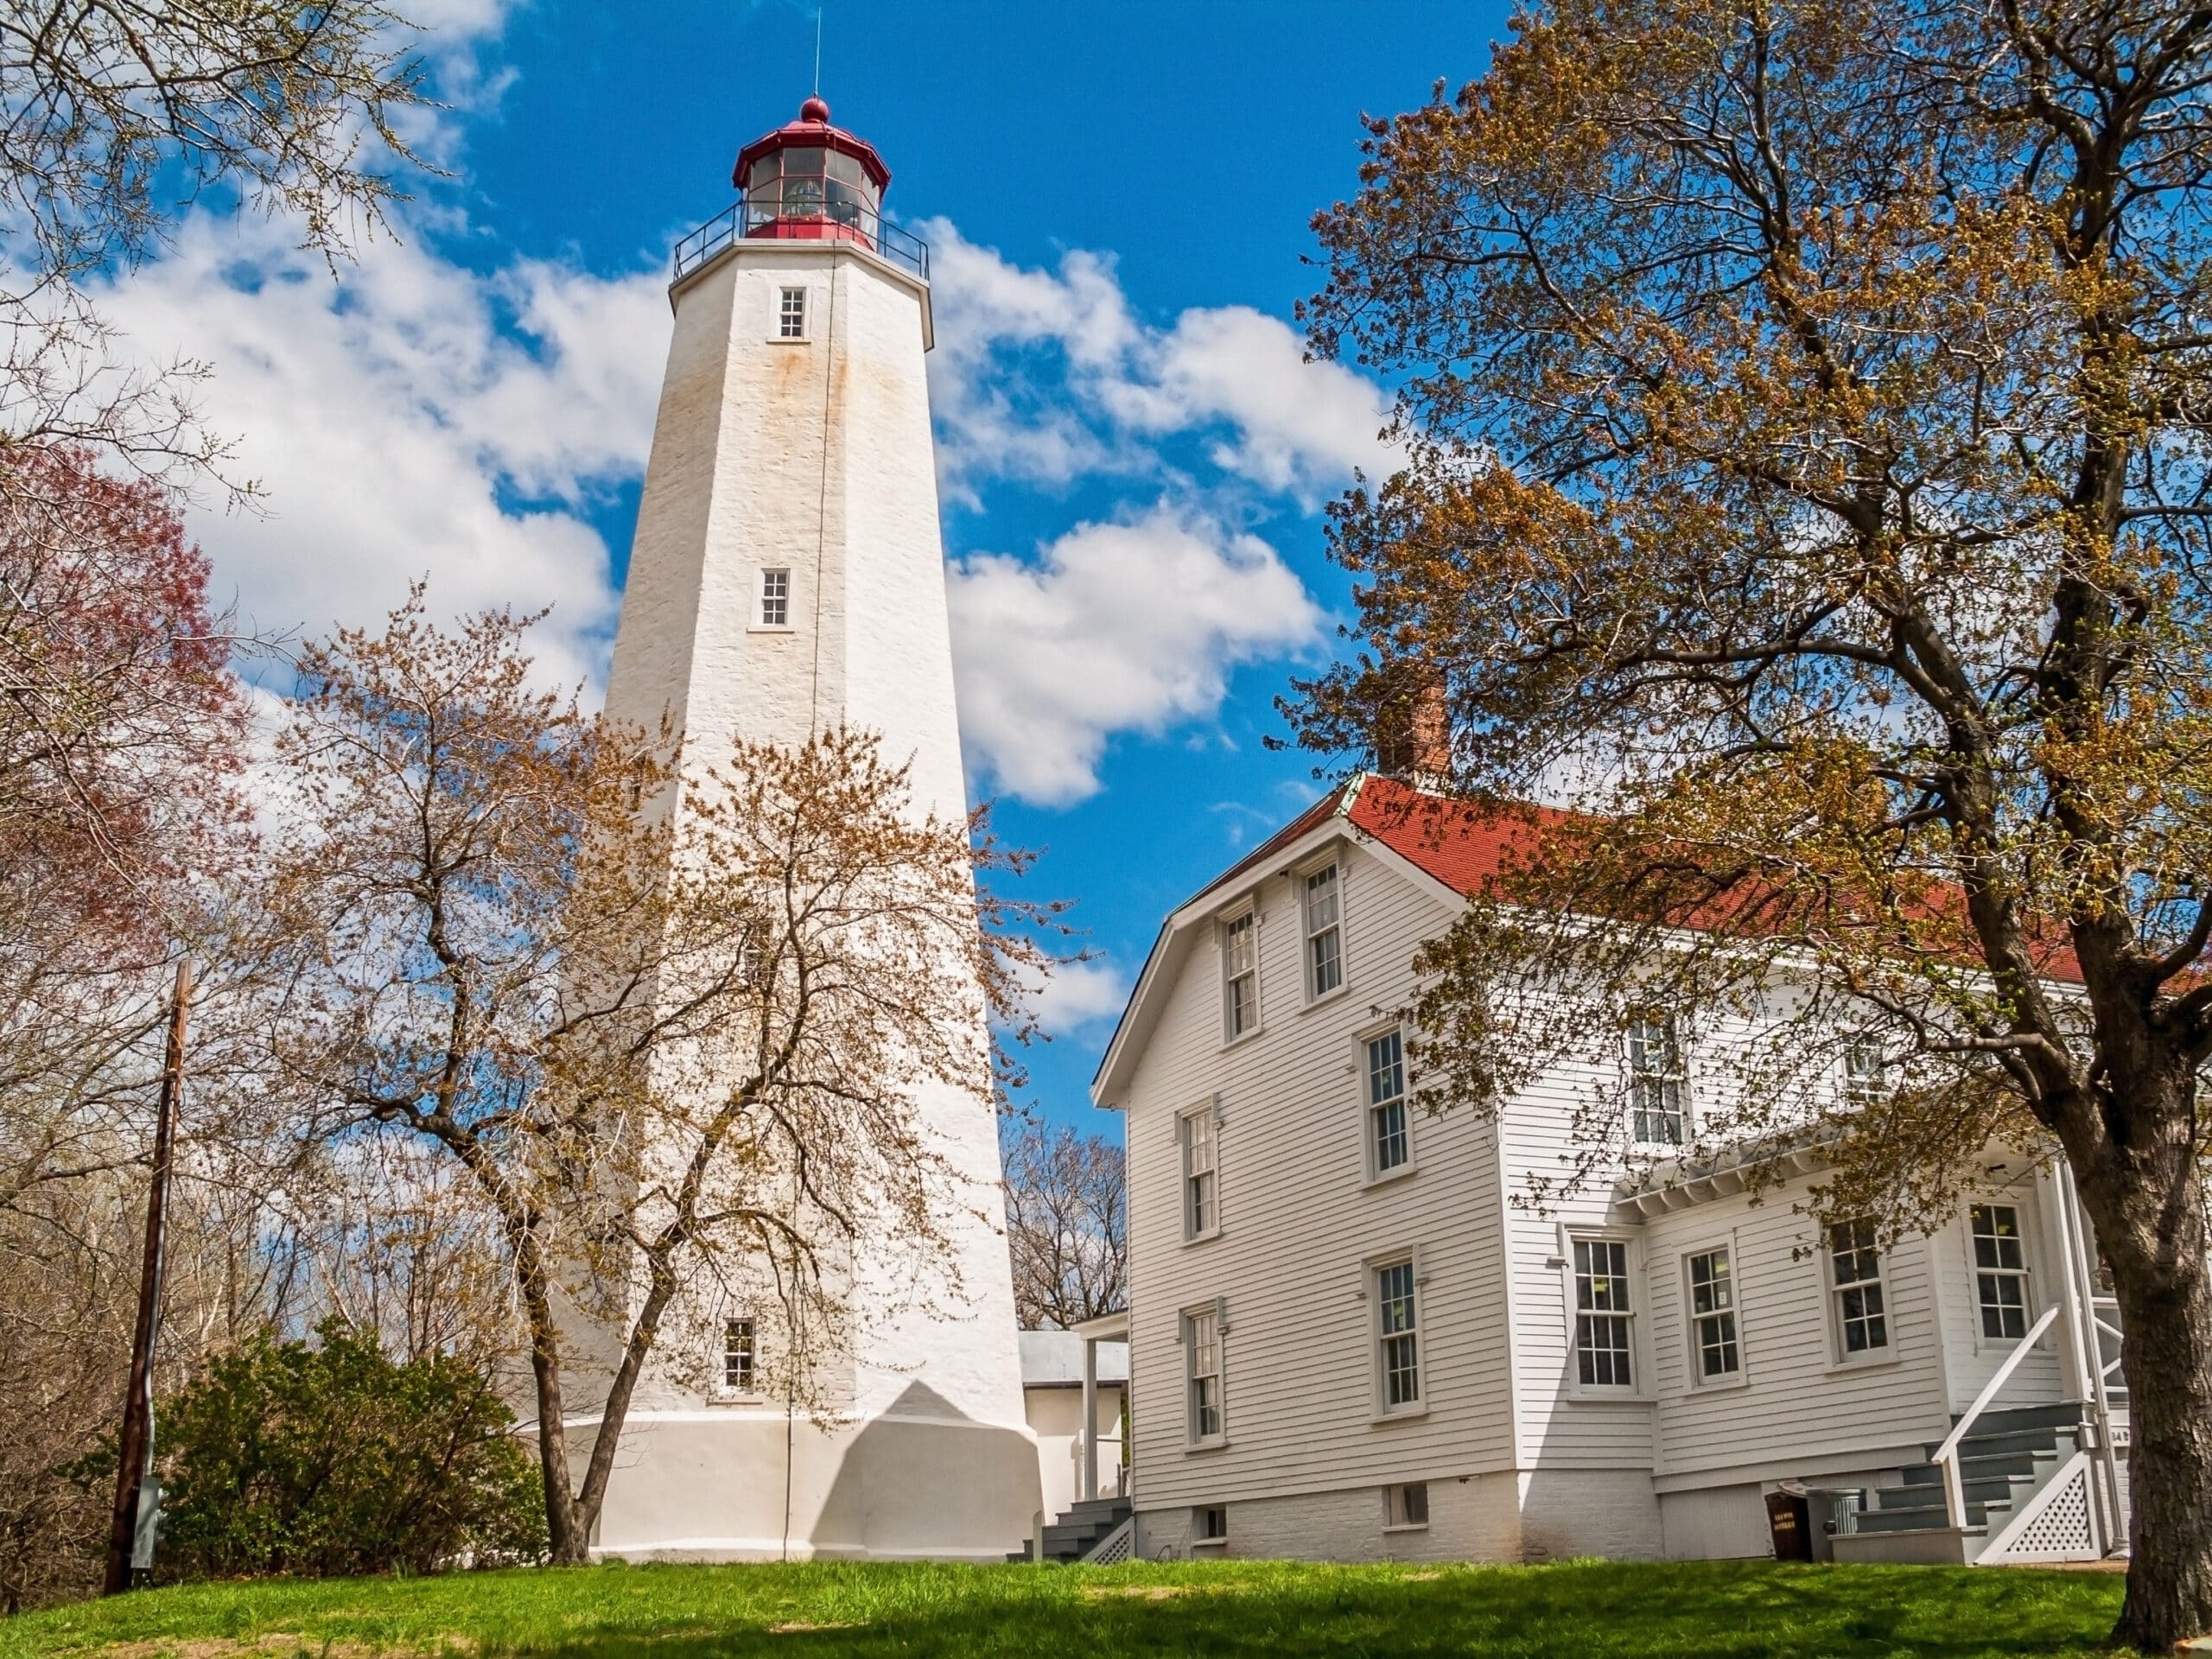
(134, 1453)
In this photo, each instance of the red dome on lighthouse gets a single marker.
(811, 147)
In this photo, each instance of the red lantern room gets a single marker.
(808, 181)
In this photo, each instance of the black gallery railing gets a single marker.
(861, 226)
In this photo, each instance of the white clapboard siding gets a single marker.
(1560, 1425)
(1799, 1407)
(1297, 1224)
(1300, 1224)
(1971, 1358)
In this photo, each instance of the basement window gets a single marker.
(1210, 1524)
(1405, 1508)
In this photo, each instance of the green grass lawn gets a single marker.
(1576, 1610)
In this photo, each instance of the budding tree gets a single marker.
(670, 1051)
(1809, 409)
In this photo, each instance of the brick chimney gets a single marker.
(1413, 725)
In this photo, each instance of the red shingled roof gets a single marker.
(1462, 845)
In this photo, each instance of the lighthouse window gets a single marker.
(791, 315)
(775, 599)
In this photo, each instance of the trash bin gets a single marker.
(1832, 1509)
(1789, 1519)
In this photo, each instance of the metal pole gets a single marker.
(134, 1450)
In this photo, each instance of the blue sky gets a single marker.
(1133, 458)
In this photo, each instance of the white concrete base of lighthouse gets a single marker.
(909, 1484)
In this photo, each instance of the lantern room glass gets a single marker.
(803, 182)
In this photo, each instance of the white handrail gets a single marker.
(1947, 1455)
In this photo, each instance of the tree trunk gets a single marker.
(2147, 1206)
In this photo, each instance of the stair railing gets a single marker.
(1947, 1455)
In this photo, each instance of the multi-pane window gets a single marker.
(1196, 1128)
(1862, 1069)
(1398, 1330)
(2001, 1271)
(1855, 1276)
(1713, 1316)
(737, 1356)
(1239, 974)
(1201, 1354)
(1654, 1079)
(1406, 1506)
(791, 315)
(1324, 968)
(1388, 1144)
(1603, 1314)
(775, 599)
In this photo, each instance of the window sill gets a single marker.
(736, 1400)
(1401, 1173)
(771, 628)
(1598, 1396)
(1401, 1415)
(1342, 991)
(1209, 1543)
(1410, 1526)
(1199, 1448)
(1731, 1385)
(1846, 1367)
(1206, 1237)
(785, 339)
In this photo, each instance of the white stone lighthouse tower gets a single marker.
(787, 575)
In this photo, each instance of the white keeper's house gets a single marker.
(1352, 1337)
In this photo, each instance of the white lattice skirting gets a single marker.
(2058, 1523)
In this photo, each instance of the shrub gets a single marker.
(330, 1460)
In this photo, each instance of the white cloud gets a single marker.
(1116, 627)
(1047, 375)
(1079, 993)
(410, 418)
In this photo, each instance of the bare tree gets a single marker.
(106, 106)
(1067, 1224)
(669, 1052)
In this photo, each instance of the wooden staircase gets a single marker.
(1078, 1532)
(2007, 1464)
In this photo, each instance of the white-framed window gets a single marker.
(1389, 1135)
(1197, 1132)
(1856, 1289)
(1210, 1524)
(775, 598)
(1202, 1373)
(1715, 1354)
(1397, 1336)
(1324, 912)
(791, 314)
(1239, 974)
(1863, 1069)
(739, 1356)
(1405, 1507)
(2001, 1271)
(1656, 1082)
(1604, 1314)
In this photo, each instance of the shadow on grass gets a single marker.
(1576, 1611)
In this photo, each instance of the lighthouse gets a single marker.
(787, 576)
